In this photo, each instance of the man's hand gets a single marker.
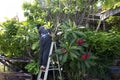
(53, 36)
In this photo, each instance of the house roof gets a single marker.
(112, 12)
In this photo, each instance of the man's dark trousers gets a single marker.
(45, 44)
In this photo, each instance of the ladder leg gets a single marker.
(48, 63)
(53, 72)
(58, 65)
(39, 76)
(59, 69)
(46, 74)
(60, 74)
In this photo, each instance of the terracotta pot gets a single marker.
(115, 72)
(115, 76)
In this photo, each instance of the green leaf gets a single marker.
(35, 45)
(93, 57)
(85, 45)
(64, 59)
(73, 55)
(72, 42)
(72, 65)
(74, 35)
(87, 64)
(80, 49)
(80, 33)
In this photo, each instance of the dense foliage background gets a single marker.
(82, 48)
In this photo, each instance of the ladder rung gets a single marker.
(53, 69)
(50, 69)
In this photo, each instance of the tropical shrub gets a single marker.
(74, 52)
(18, 39)
(105, 46)
(102, 49)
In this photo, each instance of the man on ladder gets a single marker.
(46, 47)
(45, 43)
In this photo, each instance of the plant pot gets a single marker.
(115, 76)
(115, 72)
(117, 61)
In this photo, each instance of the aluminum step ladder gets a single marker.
(49, 67)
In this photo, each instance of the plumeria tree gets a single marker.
(74, 51)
